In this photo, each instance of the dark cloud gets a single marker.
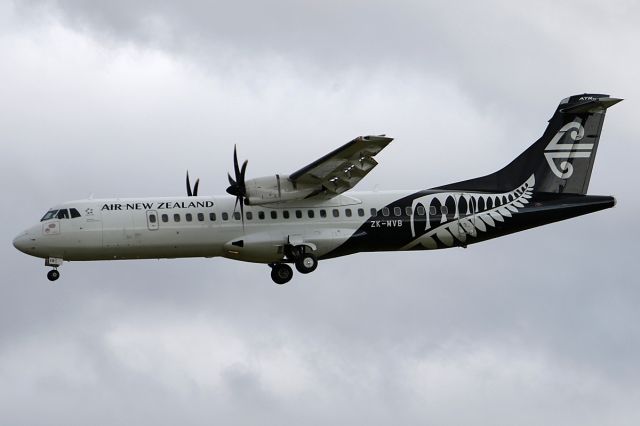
(470, 44)
(118, 99)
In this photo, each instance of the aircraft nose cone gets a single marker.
(21, 242)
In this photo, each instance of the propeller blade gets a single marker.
(235, 206)
(241, 179)
(237, 187)
(236, 168)
(231, 181)
(188, 186)
(195, 187)
(242, 211)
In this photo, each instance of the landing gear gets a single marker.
(306, 263)
(54, 262)
(53, 275)
(281, 273)
(301, 256)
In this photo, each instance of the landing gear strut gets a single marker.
(53, 275)
(281, 273)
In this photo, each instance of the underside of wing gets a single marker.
(326, 177)
(343, 168)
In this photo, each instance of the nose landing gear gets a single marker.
(53, 274)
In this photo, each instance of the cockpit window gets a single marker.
(74, 213)
(49, 215)
(63, 214)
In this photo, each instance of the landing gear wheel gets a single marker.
(281, 273)
(306, 263)
(53, 275)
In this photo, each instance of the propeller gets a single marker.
(191, 193)
(237, 186)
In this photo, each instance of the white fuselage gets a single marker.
(172, 227)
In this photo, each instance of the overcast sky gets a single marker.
(119, 98)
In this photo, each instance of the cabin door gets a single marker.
(152, 220)
(466, 217)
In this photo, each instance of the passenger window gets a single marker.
(373, 211)
(299, 214)
(347, 212)
(189, 217)
(336, 213)
(385, 211)
(201, 217)
(420, 210)
(249, 216)
(225, 215)
(397, 211)
(261, 215)
(285, 214)
(323, 213)
(408, 211)
(176, 217)
(360, 212)
(63, 214)
(212, 216)
(432, 210)
(152, 218)
(311, 213)
(274, 214)
(74, 213)
(236, 215)
(165, 218)
(444, 210)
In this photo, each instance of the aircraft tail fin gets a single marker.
(562, 159)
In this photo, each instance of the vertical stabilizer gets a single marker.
(562, 159)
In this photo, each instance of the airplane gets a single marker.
(310, 214)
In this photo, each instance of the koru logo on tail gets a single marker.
(564, 151)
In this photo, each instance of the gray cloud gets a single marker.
(119, 99)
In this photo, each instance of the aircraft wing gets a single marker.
(342, 168)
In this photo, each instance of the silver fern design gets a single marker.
(441, 219)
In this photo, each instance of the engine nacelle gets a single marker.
(274, 189)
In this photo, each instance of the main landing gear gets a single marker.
(281, 273)
(53, 275)
(305, 262)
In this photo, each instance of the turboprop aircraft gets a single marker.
(311, 215)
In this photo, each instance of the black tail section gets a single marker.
(562, 159)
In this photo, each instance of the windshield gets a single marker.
(50, 214)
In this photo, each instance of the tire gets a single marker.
(281, 273)
(306, 263)
(53, 275)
